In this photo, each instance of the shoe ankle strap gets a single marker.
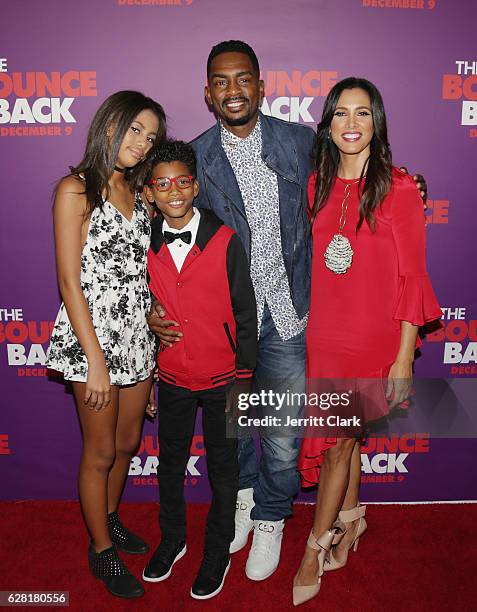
(348, 516)
(323, 542)
(339, 529)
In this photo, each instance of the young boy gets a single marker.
(199, 273)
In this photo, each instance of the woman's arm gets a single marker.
(68, 218)
(417, 303)
(400, 375)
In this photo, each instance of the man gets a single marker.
(253, 172)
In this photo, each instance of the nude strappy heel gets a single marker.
(323, 545)
(347, 517)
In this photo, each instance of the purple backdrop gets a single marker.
(59, 60)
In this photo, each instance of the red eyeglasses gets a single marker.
(164, 183)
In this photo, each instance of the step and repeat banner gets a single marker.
(59, 59)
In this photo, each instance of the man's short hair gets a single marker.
(233, 46)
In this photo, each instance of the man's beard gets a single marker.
(238, 121)
(235, 121)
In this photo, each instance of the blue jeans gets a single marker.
(275, 480)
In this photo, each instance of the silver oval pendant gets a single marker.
(339, 254)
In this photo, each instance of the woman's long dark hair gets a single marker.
(376, 171)
(118, 111)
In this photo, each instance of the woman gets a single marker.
(100, 341)
(370, 293)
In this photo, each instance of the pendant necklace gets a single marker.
(339, 254)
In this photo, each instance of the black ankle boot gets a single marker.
(124, 539)
(108, 567)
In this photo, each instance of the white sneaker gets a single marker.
(265, 552)
(243, 522)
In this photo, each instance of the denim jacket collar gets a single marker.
(283, 162)
(219, 171)
(278, 153)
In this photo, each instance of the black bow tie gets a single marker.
(184, 236)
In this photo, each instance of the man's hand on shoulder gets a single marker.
(421, 184)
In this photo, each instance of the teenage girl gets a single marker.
(101, 342)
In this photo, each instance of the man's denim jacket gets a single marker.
(286, 149)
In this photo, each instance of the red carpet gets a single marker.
(411, 558)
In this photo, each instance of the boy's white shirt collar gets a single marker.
(179, 249)
(192, 226)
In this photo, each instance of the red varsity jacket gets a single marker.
(213, 301)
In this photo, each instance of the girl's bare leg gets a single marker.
(132, 405)
(97, 458)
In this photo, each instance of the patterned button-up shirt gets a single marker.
(258, 186)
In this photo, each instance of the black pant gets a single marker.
(177, 412)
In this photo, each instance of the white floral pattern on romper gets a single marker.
(113, 280)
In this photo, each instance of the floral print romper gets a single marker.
(113, 280)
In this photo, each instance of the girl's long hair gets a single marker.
(375, 178)
(116, 112)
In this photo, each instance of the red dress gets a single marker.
(354, 325)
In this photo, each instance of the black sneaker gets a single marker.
(108, 567)
(123, 538)
(160, 564)
(211, 576)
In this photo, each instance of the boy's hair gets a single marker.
(172, 151)
(233, 46)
